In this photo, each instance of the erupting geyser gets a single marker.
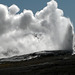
(26, 33)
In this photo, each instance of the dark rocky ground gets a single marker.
(42, 63)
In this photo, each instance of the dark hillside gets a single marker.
(46, 63)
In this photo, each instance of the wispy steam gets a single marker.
(25, 33)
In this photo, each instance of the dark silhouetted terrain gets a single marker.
(39, 63)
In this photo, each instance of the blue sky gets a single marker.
(35, 5)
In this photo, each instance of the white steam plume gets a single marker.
(25, 33)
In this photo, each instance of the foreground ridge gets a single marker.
(46, 62)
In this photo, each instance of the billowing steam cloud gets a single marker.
(25, 33)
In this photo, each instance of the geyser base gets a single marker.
(44, 65)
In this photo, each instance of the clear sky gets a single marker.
(68, 6)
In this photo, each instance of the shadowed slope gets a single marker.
(46, 63)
